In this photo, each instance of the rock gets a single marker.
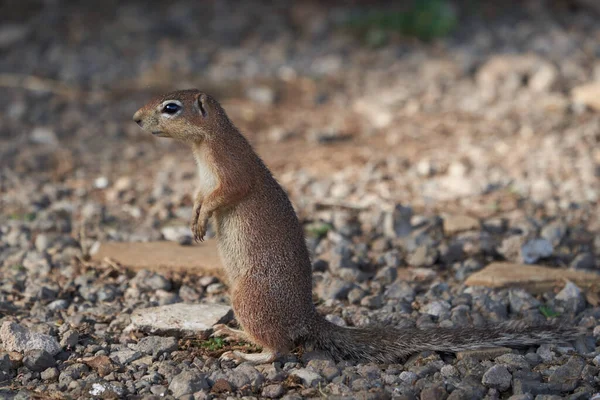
(43, 135)
(423, 256)
(510, 247)
(50, 374)
(520, 300)
(73, 371)
(459, 223)
(534, 278)
(57, 305)
(156, 345)
(568, 375)
(202, 259)
(400, 290)
(180, 319)
(177, 234)
(273, 391)
(584, 261)
(70, 339)
(18, 338)
(535, 249)
(435, 392)
(437, 308)
(448, 371)
(408, 377)
(106, 390)
(126, 356)
(497, 377)
(543, 78)
(42, 242)
(38, 360)
(587, 95)
(546, 352)
(572, 296)
(189, 294)
(397, 223)
(101, 364)
(101, 182)
(6, 367)
(309, 377)
(554, 232)
(333, 288)
(188, 382)
(246, 374)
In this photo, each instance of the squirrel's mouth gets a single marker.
(159, 133)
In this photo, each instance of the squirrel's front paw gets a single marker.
(198, 227)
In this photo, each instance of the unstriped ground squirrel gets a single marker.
(262, 246)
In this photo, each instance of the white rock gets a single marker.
(436, 308)
(15, 337)
(179, 319)
(176, 233)
(408, 377)
(44, 135)
(101, 182)
(570, 291)
(309, 377)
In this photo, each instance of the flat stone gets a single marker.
(180, 319)
(459, 223)
(202, 258)
(487, 353)
(535, 278)
(15, 337)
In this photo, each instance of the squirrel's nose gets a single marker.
(137, 117)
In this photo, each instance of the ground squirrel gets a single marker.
(263, 249)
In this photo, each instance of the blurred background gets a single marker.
(481, 106)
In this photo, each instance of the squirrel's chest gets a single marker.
(206, 174)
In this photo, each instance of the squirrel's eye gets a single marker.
(171, 108)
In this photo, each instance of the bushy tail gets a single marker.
(389, 345)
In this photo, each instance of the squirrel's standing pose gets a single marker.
(262, 246)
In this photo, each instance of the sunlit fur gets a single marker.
(265, 257)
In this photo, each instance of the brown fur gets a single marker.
(264, 253)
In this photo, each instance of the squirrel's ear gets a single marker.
(202, 102)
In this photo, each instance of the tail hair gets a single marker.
(389, 345)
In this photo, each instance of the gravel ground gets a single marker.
(412, 166)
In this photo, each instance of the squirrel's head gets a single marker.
(187, 115)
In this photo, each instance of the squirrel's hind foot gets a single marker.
(265, 357)
(229, 334)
